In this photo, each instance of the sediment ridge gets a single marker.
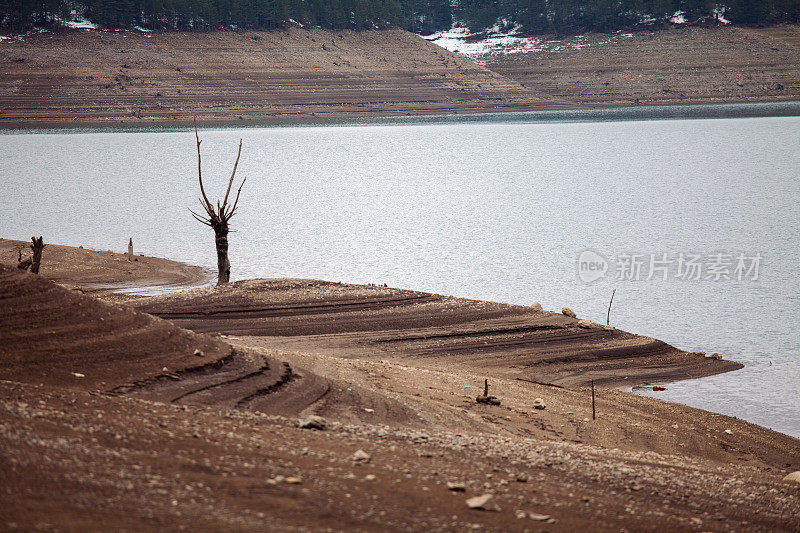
(113, 415)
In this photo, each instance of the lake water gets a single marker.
(496, 208)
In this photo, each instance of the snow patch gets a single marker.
(79, 24)
(678, 18)
(482, 47)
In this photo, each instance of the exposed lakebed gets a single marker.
(498, 208)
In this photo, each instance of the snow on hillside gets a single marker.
(482, 47)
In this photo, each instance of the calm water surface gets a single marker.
(496, 210)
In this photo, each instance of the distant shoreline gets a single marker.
(690, 111)
(89, 79)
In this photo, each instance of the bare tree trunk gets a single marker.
(223, 264)
(218, 218)
(36, 260)
(130, 249)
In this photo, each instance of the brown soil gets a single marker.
(105, 271)
(110, 78)
(420, 328)
(687, 65)
(202, 444)
(136, 79)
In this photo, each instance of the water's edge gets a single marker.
(790, 108)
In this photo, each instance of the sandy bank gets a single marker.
(105, 271)
(140, 447)
(416, 328)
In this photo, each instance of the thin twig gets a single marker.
(608, 316)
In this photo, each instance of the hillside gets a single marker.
(135, 78)
(139, 78)
(680, 65)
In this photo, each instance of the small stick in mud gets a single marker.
(608, 316)
(594, 413)
(489, 400)
(32, 263)
(130, 249)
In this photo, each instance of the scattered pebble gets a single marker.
(78, 375)
(794, 476)
(293, 480)
(199, 353)
(456, 486)
(538, 403)
(485, 502)
(360, 456)
(566, 311)
(313, 422)
(536, 306)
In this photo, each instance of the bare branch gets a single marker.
(233, 209)
(197, 217)
(205, 206)
(199, 171)
(230, 181)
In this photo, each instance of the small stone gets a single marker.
(521, 514)
(370, 477)
(658, 388)
(700, 353)
(566, 311)
(539, 517)
(293, 480)
(78, 375)
(729, 432)
(522, 478)
(794, 476)
(537, 307)
(538, 403)
(456, 486)
(484, 502)
(360, 456)
(313, 422)
(199, 353)
(717, 356)
(585, 324)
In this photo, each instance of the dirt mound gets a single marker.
(54, 336)
(94, 270)
(49, 334)
(385, 323)
(255, 382)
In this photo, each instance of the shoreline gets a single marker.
(147, 80)
(611, 113)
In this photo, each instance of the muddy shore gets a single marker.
(134, 79)
(111, 415)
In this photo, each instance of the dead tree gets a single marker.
(218, 218)
(32, 263)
